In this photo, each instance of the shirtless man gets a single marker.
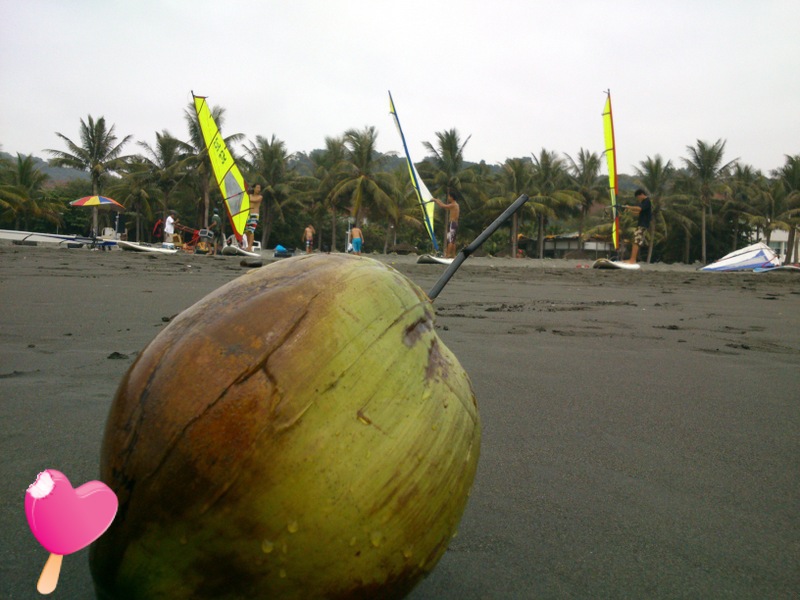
(252, 220)
(308, 238)
(357, 239)
(453, 211)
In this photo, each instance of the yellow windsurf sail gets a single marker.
(229, 178)
(611, 158)
(424, 197)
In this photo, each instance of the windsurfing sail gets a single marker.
(229, 178)
(758, 256)
(611, 159)
(424, 197)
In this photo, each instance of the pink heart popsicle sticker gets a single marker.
(65, 520)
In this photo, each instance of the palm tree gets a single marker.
(585, 176)
(329, 169)
(165, 165)
(707, 170)
(516, 179)
(549, 196)
(404, 210)
(445, 170)
(365, 184)
(21, 197)
(448, 160)
(750, 203)
(135, 190)
(268, 163)
(99, 154)
(657, 177)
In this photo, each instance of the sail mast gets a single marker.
(227, 174)
(611, 159)
(424, 197)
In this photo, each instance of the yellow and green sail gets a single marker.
(229, 178)
(424, 197)
(611, 158)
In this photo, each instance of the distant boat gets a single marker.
(752, 257)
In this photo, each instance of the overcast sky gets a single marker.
(517, 76)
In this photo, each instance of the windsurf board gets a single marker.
(427, 259)
(142, 247)
(604, 263)
(236, 251)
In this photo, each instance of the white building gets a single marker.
(778, 241)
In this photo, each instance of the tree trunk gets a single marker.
(204, 187)
(266, 231)
(333, 229)
(541, 236)
(703, 236)
(791, 246)
(389, 229)
(514, 236)
(687, 242)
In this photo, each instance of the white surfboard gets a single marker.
(604, 263)
(142, 247)
(427, 259)
(236, 251)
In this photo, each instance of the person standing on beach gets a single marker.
(169, 227)
(252, 220)
(308, 238)
(357, 239)
(453, 211)
(216, 228)
(644, 211)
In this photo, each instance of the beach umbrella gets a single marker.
(96, 202)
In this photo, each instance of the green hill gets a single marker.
(56, 174)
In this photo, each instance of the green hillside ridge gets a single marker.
(56, 174)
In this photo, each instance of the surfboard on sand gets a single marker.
(427, 259)
(234, 250)
(142, 247)
(604, 263)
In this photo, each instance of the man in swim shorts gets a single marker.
(357, 239)
(308, 238)
(453, 211)
(644, 213)
(252, 220)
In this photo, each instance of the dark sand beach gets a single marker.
(641, 430)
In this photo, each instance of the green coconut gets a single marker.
(302, 432)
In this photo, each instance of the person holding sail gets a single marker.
(453, 211)
(644, 213)
(255, 211)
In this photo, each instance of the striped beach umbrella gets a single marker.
(98, 201)
(95, 202)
